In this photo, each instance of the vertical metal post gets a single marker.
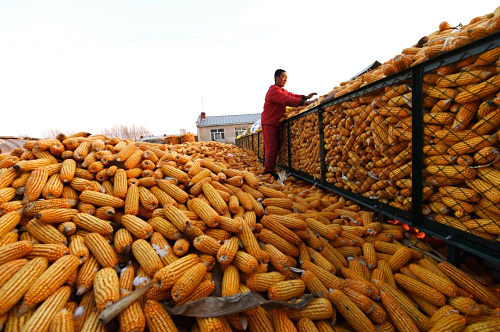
(322, 145)
(454, 255)
(417, 144)
(258, 145)
(289, 143)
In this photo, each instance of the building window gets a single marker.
(239, 131)
(216, 134)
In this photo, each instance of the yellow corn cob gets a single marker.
(146, 257)
(134, 160)
(9, 221)
(288, 221)
(283, 245)
(123, 240)
(321, 261)
(132, 200)
(175, 173)
(399, 316)
(486, 155)
(85, 278)
(281, 230)
(317, 309)
(52, 252)
(104, 212)
(227, 251)
(259, 321)
(93, 224)
(204, 211)
(249, 218)
(158, 318)
(6, 194)
(251, 179)
(449, 323)
(132, 317)
(181, 247)
(169, 274)
(101, 199)
(465, 305)
(126, 280)
(457, 205)
(7, 270)
(41, 318)
(230, 281)
(35, 185)
(31, 165)
(165, 228)
(245, 262)
(281, 321)
(483, 225)
(9, 238)
(481, 293)
(284, 203)
(120, 183)
(175, 216)
(485, 188)
(426, 292)
(51, 216)
(215, 198)
(188, 281)
(206, 244)
(62, 321)
(13, 251)
(68, 170)
(138, 227)
(479, 91)
(106, 288)
(125, 151)
(101, 250)
(49, 281)
(278, 260)
(270, 192)
(205, 288)
(314, 284)
(14, 289)
(452, 171)
(486, 326)
(463, 78)
(7, 177)
(435, 281)
(175, 192)
(235, 181)
(261, 282)
(328, 279)
(147, 199)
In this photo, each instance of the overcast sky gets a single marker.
(89, 65)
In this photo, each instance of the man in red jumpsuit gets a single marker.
(277, 99)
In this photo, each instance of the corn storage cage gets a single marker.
(420, 145)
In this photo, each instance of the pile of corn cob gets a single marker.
(86, 220)
(368, 138)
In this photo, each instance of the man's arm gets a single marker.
(281, 97)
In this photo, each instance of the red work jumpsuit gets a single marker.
(277, 99)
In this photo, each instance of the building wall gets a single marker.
(229, 135)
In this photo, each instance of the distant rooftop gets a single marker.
(220, 120)
(8, 143)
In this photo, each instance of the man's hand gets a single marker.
(309, 102)
(309, 96)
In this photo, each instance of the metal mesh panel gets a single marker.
(304, 136)
(367, 143)
(255, 143)
(461, 145)
(282, 159)
(261, 144)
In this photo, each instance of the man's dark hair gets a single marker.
(278, 73)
